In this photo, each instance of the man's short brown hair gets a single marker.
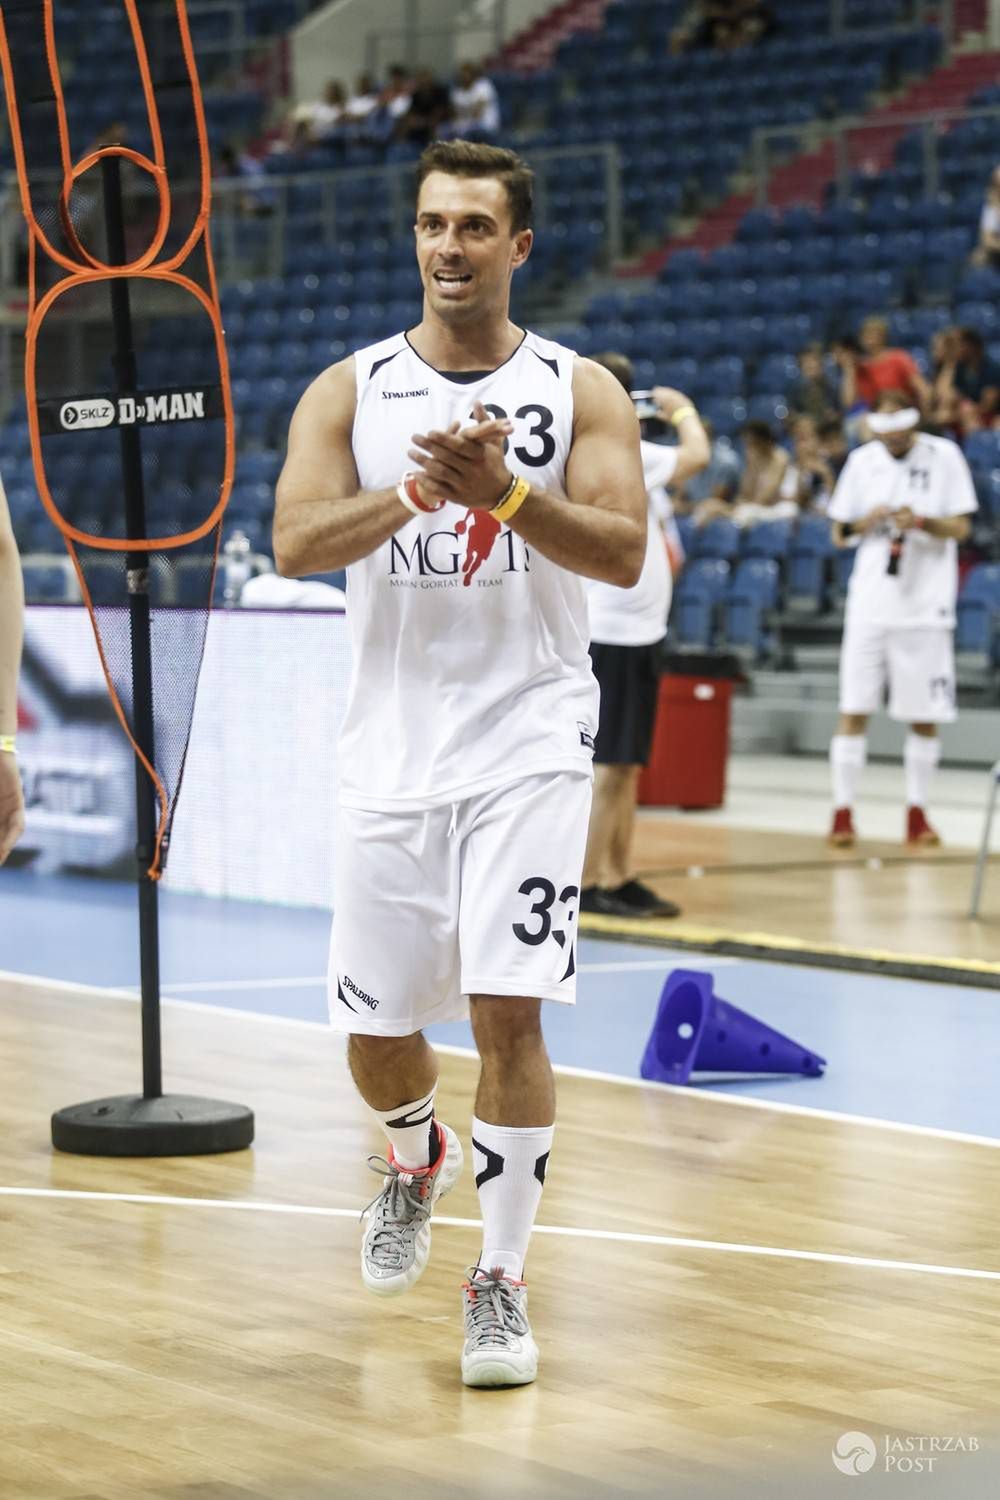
(475, 159)
(893, 400)
(620, 366)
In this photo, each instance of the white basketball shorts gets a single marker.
(478, 897)
(918, 665)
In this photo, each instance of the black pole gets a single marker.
(126, 379)
(150, 1124)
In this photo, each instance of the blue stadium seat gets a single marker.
(978, 613)
(776, 372)
(752, 593)
(49, 582)
(683, 265)
(987, 483)
(719, 540)
(843, 567)
(807, 565)
(723, 377)
(768, 539)
(770, 407)
(725, 414)
(982, 449)
(702, 573)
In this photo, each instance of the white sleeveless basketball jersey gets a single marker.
(470, 666)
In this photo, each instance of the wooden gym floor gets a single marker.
(878, 906)
(719, 1292)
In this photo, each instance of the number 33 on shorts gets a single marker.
(554, 917)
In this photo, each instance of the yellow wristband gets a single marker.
(512, 501)
(8, 743)
(681, 413)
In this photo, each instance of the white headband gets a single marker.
(893, 421)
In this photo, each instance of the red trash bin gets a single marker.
(687, 763)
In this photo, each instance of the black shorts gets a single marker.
(629, 678)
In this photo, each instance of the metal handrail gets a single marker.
(235, 198)
(812, 133)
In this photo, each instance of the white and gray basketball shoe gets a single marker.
(397, 1240)
(499, 1348)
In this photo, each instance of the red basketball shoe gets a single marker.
(841, 835)
(918, 830)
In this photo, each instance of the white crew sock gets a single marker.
(921, 753)
(848, 753)
(510, 1172)
(410, 1129)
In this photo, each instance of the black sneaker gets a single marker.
(642, 901)
(594, 898)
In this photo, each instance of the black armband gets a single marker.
(847, 528)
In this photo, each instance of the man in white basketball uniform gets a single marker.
(627, 627)
(904, 500)
(466, 473)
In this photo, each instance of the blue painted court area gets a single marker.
(915, 1053)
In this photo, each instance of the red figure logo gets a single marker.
(483, 531)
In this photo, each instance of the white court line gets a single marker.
(198, 986)
(666, 1241)
(745, 1101)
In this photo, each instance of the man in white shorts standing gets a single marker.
(904, 500)
(466, 473)
(627, 627)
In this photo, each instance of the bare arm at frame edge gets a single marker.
(11, 638)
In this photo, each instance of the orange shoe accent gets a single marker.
(918, 830)
(841, 835)
(425, 1175)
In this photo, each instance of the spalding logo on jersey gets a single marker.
(435, 560)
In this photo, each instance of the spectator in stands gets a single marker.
(878, 369)
(977, 382)
(475, 105)
(723, 25)
(430, 108)
(627, 627)
(257, 196)
(704, 24)
(11, 633)
(718, 480)
(394, 100)
(833, 444)
(813, 394)
(756, 22)
(323, 117)
(809, 479)
(987, 252)
(758, 494)
(363, 103)
(946, 348)
(764, 466)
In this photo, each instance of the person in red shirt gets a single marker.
(878, 368)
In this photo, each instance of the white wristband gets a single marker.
(401, 492)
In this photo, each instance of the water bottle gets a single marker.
(236, 567)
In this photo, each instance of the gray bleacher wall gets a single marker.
(334, 41)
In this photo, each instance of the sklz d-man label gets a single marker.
(194, 404)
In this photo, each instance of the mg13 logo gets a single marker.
(451, 559)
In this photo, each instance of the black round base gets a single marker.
(172, 1125)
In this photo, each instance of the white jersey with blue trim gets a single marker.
(470, 662)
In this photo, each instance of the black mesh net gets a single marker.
(125, 373)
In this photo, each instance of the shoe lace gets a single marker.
(493, 1310)
(400, 1204)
